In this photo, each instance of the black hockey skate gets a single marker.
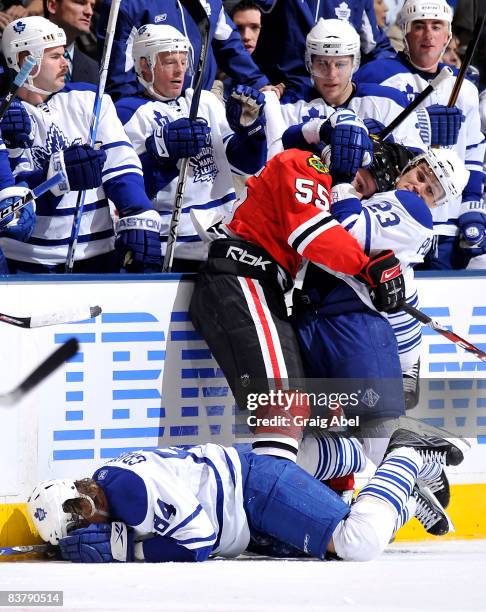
(411, 387)
(431, 446)
(430, 513)
(439, 487)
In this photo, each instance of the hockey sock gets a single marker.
(430, 471)
(330, 456)
(407, 512)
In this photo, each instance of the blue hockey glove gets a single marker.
(16, 127)
(98, 543)
(351, 147)
(138, 242)
(179, 139)
(445, 124)
(20, 225)
(472, 226)
(244, 110)
(375, 128)
(383, 275)
(82, 166)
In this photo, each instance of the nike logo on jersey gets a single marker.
(244, 257)
(390, 273)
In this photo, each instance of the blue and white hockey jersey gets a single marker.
(189, 499)
(61, 121)
(470, 147)
(209, 183)
(368, 101)
(225, 46)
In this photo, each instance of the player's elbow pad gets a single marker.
(162, 550)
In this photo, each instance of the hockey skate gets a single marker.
(411, 387)
(430, 512)
(431, 445)
(439, 487)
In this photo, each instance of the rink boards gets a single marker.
(144, 378)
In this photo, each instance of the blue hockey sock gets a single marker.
(430, 471)
(330, 456)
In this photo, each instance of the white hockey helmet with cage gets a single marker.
(333, 37)
(46, 511)
(152, 39)
(449, 170)
(417, 10)
(34, 35)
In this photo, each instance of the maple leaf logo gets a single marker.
(56, 140)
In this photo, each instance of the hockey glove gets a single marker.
(99, 543)
(244, 110)
(383, 275)
(472, 227)
(138, 242)
(181, 138)
(82, 166)
(445, 124)
(20, 225)
(351, 147)
(16, 127)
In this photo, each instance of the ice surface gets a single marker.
(448, 575)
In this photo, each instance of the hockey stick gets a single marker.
(8, 551)
(32, 195)
(93, 128)
(450, 335)
(197, 12)
(69, 315)
(444, 74)
(19, 80)
(56, 359)
(471, 48)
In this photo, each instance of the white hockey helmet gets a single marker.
(32, 34)
(333, 37)
(448, 168)
(152, 39)
(415, 10)
(45, 509)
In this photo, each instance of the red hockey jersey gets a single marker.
(286, 212)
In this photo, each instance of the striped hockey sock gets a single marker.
(394, 479)
(331, 456)
(430, 471)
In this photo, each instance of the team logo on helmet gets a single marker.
(40, 514)
(19, 27)
(319, 166)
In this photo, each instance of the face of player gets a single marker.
(72, 14)
(248, 24)
(421, 180)
(426, 40)
(52, 71)
(364, 183)
(332, 77)
(381, 9)
(169, 71)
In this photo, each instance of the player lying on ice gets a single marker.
(187, 504)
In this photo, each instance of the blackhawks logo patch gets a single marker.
(319, 166)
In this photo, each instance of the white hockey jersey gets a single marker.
(192, 495)
(209, 183)
(61, 121)
(400, 221)
(470, 145)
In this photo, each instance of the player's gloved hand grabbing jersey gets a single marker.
(350, 145)
(20, 225)
(472, 226)
(375, 128)
(445, 124)
(16, 127)
(383, 275)
(244, 110)
(178, 139)
(99, 543)
(138, 242)
(82, 165)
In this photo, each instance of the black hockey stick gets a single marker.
(471, 48)
(199, 15)
(68, 315)
(19, 80)
(450, 335)
(9, 551)
(444, 74)
(56, 359)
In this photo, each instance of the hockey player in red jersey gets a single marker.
(238, 303)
